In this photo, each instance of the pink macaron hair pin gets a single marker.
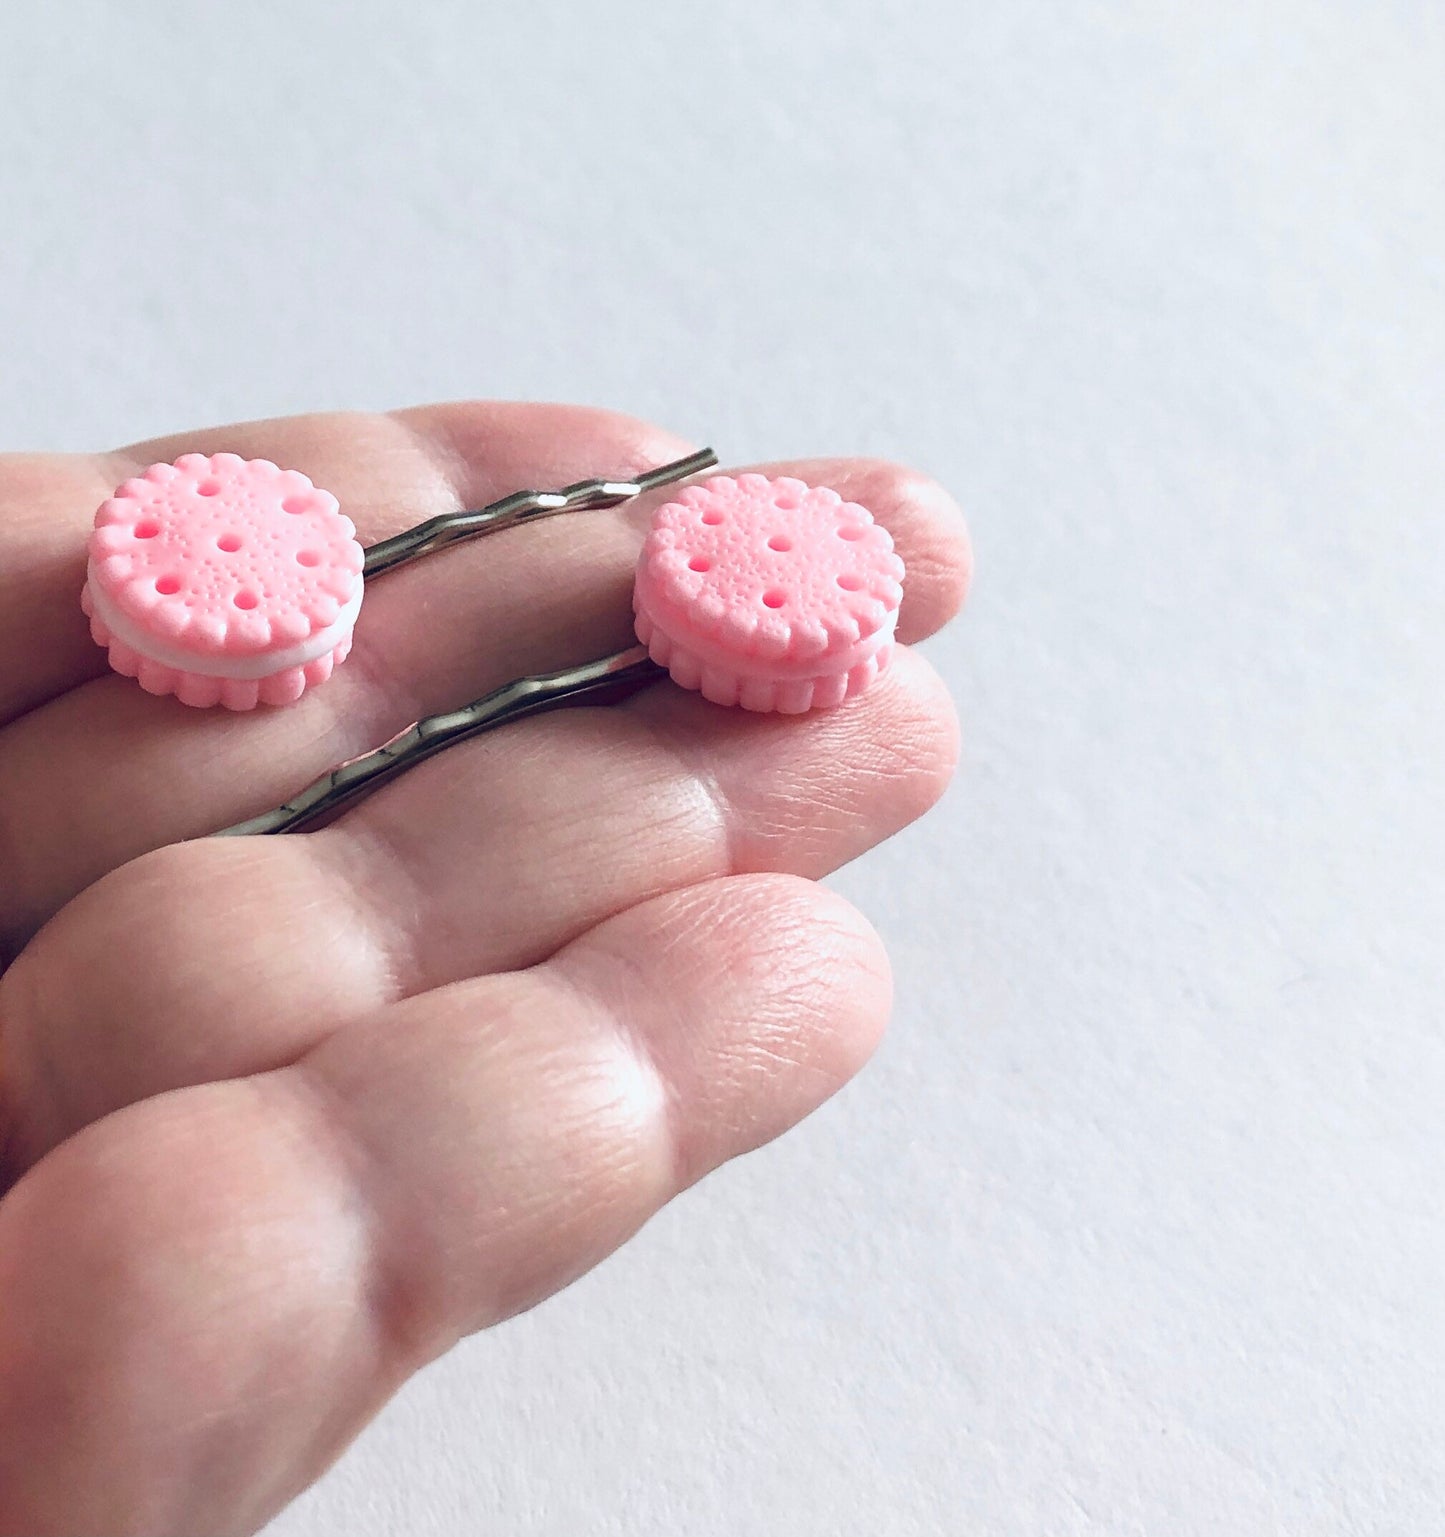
(233, 582)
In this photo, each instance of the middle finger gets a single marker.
(107, 772)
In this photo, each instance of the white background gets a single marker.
(1137, 1223)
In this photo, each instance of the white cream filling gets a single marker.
(212, 665)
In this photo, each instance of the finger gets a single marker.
(171, 773)
(203, 1298)
(678, 1034)
(488, 858)
(46, 504)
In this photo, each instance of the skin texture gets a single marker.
(283, 1119)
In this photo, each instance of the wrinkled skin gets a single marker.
(282, 1119)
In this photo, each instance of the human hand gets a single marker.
(281, 1119)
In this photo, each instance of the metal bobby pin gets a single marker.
(524, 507)
(611, 676)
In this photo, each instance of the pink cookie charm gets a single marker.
(223, 581)
(768, 593)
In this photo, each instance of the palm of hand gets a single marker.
(282, 1119)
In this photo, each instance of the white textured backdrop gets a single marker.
(1137, 1224)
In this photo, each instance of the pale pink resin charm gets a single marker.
(223, 580)
(768, 593)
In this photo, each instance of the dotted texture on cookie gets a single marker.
(768, 593)
(215, 566)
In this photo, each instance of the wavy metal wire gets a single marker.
(524, 507)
